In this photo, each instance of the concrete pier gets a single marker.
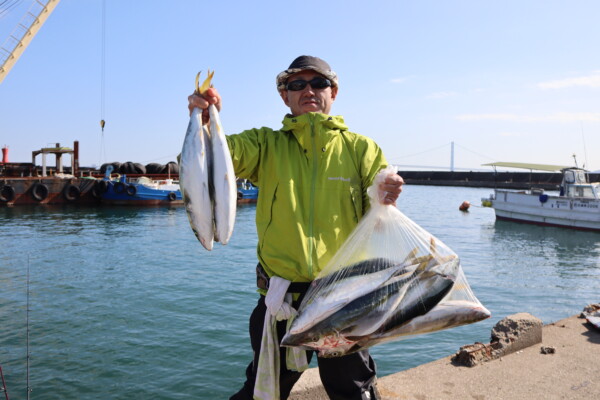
(565, 364)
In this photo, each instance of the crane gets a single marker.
(23, 34)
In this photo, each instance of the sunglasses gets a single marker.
(315, 83)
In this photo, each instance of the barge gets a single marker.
(26, 183)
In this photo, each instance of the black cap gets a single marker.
(303, 63)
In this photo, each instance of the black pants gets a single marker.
(350, 377)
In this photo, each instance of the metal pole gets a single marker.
(452, 157)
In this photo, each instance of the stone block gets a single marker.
(511, 334)
(474, 354)
(516, 332)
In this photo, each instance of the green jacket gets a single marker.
(313, 176)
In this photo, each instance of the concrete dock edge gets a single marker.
(570, 371)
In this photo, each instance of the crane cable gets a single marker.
(103, 66)
(102, 78)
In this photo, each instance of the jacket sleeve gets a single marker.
(245, 149)
(372, 162)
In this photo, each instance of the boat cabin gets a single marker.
(575, 184)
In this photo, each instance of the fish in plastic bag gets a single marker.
(390, 279)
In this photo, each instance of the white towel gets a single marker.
(279, 308)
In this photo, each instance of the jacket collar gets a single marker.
(291, 123)
(324, 126)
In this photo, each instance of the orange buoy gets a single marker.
(464, 206)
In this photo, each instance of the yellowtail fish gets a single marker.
(379, 308)
(446, 314)
(194, 175)
(334, 292)
(223, 178)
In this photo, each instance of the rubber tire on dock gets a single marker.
(131, 190)
(100, 187)
(119, 187)
(71, 192)
(7, 193)
(39, 191)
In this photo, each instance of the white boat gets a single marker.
(575, 205)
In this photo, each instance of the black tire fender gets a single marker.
(101, 185)
(39, 191)
(131, 190)
(119, 187)
(7, 193)
(172, 196)
(71, 192)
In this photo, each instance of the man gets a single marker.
(313, 176)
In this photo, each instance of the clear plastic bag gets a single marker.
(390, 279)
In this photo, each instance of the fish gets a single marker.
(349, 328)
(421, 296)
(364, 320)
(334, 291)
(329, 346)
(358, 268)
(354, 275)
(194, 176)
(446, 314)
(224, 180)
(414, 295)
(329, 331)
(369, 330)
(207, 177)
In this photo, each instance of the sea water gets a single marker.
(124, 302)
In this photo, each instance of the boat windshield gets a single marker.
(575, 176)
(581, 191)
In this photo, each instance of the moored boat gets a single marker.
(575, 204)
(246, 191)
(139, 191)
(591, 313)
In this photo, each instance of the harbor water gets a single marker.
(124, 303)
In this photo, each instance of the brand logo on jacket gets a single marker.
(338, 178)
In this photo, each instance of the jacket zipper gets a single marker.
(311, 240)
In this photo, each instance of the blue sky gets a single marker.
(503, 80)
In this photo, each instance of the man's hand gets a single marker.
(391, 188)
(211, 96)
